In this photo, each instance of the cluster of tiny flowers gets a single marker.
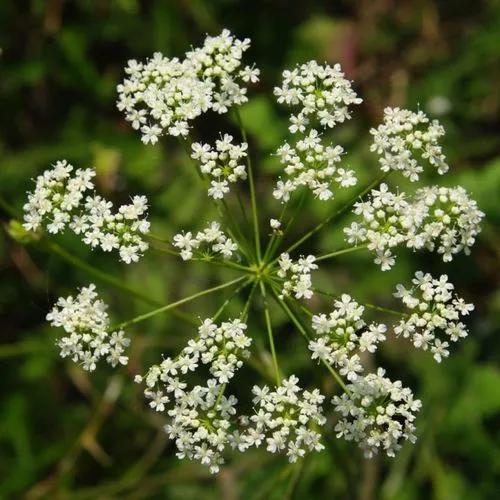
(162, 95)
(296, 275)
(122, 230)
(435, 316)
(86, 322)
(211, 239)
(438, 218)
(57, 194)
(60, 200)
(222, 163)
(310, 163)
(201, 416)
(322, 92)
(286, 419)
(343, 332)
(377, 413)
(406, 138)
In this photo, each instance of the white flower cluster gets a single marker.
(212, 237)
(322, 92)
(85, 320)
(162, 95)
(343, 332)
(221, 163)
(439, 218)
(57, 194)
(404, 139)
(286, 419)
(122, 230)
(310, 163)
(296, 275)
(60, 200)
(436, 315)
(201, 416)
(377, 413)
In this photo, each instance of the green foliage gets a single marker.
(64, 434)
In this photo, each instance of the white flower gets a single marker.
(377, 413)
(287, 419)
(296, 275)
(222, 163)
(211, 239)
(404, 139)
(275, 224)
(437, 218)
(86, 322)
(162, 95)
(200, 416)
(435, 314)
(322, 93)
(343, 332)
(61, 200)
(308, 162)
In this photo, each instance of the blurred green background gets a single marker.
(64, 434)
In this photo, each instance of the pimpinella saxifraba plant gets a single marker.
(164, 96)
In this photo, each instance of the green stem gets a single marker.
(371, 306)
(101, 275)
(173, 305)
(270, 245)
(187, 150)
(209, 259)
(230, 298)
(340, 252)
(339, 213)
(252, 189)
(270, 333)
(242, 208)
(290, 223)
(303, 331)
(244, 313)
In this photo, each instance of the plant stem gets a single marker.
(289, 224)
(173, 305)
(340, 252)
(252, 189)
(303, 331)
(339, 213)
(370, 306)
(187, 150)
(270, 333)
(230, 298)
(270, 245)
(207, 258)
(244, 313)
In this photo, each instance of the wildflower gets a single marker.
(57, 194)
(436, 313)
(286, 419)
(275, 224)
(201, 415)
(377, 413)
(309, 163)
(296, 275)
(86, 322)
(61, 200)
(343, 332)
(405, 139)
(162, 95)
(212, 238)
(322, 94)
(437, 218)
(222, 163)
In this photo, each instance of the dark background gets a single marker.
(66, 434)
